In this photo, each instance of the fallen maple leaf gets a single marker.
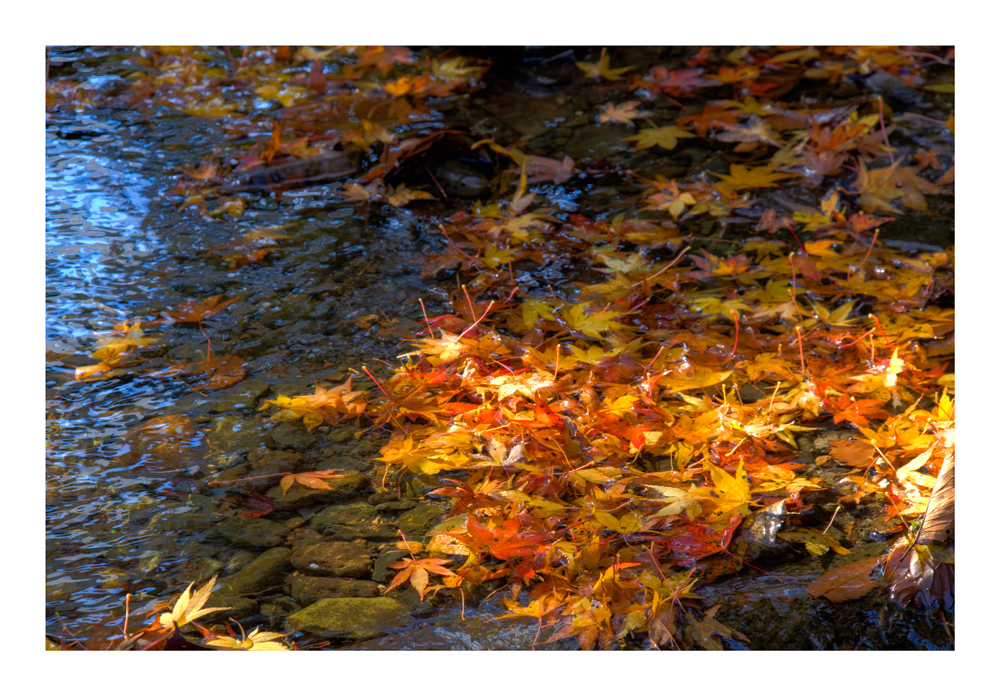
(257, 640)
(310, 479)
(456, 69)
(622, 113)
(847, 582)
(384, 57)
(325, 404)
(665, 137)
(879, 188)
(602, 68)
(740, 178)
(713, 115)
(401, 196)
(188, 607)
(592, 324)
(416, 571)
(756, 130)
(546, 169)
(193, 311)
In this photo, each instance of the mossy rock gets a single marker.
(351, 618)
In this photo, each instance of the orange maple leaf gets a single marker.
(310, 479)
(193, 311)
(416, 571)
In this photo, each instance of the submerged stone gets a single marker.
(244, 531)
(243, 395)
(419, 520)
(307, 589)
(266, 571)
(300, 496)
(353, 618)
(337, 558)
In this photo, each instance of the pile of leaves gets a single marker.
(600, 441)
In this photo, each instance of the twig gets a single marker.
(676, 259)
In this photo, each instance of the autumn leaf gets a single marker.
(713, 115)
(817, 543)
(188, 607)
(111, 350)
(416, 571)
(385, 57)
(837, 317)
(591, 323)
(879, 188)
(741, 178)
(193, 311)
(257, 640)
(602, 68)
(504, 541)
(756, 130)
(325, 405)
(694, 378)
(670, 198)
(546, 169)
(622, 113)
(681, 82)
(444, 349)
(310, 479)
(665, 137)
(850, 581)
(532, 310)
(401, 196)
(526, 385)
(456, 69)
(733, 492)
(853, 453)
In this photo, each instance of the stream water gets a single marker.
(128, 458)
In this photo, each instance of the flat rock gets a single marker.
(307, 589)
(243, 395)
(358, 520)
(419, 520)
(336, 558)
(236, 607)
(290, 436)
(300, 496)
(255, 533)
(352, 618)
(264, 572)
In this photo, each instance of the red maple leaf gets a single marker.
(503, 542)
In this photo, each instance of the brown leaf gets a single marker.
(853, 453)
(939, 519)
(847, 582)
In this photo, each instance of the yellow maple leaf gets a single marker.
(257, 640)
(733, 493)
(532, 310)
(592, 324)
(188, 607)
(602, 68)
(740, 178)
(456, 69)
(665, 137)
(402, 196)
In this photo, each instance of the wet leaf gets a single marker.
(847, 582)
(665, 137)
(602, 68)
